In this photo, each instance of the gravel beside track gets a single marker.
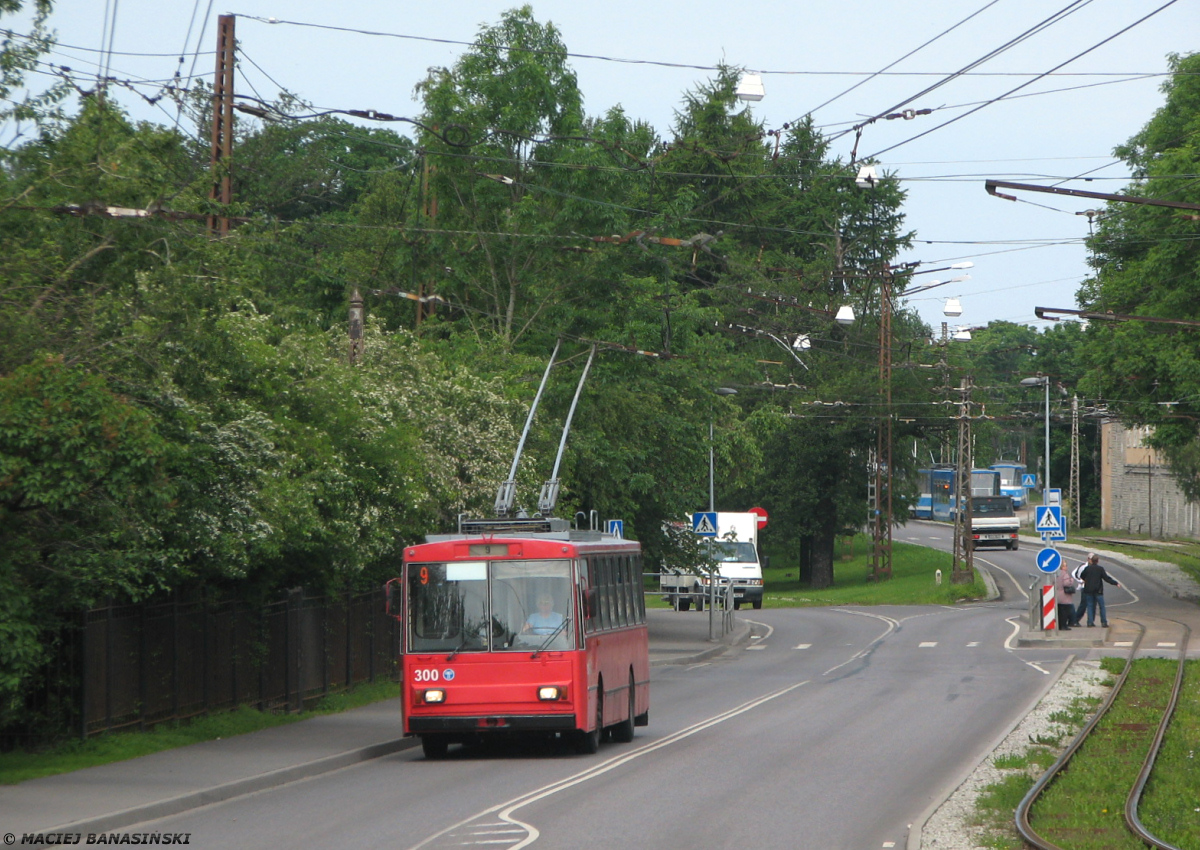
(952, 826)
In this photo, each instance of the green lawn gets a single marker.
(913, 581)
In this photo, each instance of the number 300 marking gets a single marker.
(426, 675)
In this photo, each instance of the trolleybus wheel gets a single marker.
(434, 746)
(622, 733)
(589, 742)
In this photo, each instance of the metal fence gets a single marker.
(135, 665)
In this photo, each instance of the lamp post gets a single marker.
(1043, 381)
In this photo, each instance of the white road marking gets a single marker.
(927, 644)
(804, 646)
(756, 646)
(1166, 644)
(1123, 643)
(1008, 647)
(770, 629)
(973, 643)
(504, 811)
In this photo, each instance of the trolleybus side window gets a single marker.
(604, 586)
(639, 594)
(620, 586)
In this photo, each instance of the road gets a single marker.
(831, 728)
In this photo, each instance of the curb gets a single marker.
(114, 821)
(738, 636)
(918, 826)
(237, 788)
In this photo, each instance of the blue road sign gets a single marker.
(1029, 480)
(704, 523)
(615, 527)
(1049, 560)
(1049, 522)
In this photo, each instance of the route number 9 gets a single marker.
(424, 575)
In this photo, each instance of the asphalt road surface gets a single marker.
(832, 728)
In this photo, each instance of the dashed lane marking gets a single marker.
(804, 646)
(927, 644)
(757, 646)
(1122, 643)
(973, 643)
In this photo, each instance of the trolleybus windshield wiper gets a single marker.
(550, 637)
(459, 648)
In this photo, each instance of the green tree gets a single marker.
(1146, 261)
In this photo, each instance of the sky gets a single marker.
(1104, 73)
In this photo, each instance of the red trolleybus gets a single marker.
(522, 626)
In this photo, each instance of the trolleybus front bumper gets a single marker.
(492, 723)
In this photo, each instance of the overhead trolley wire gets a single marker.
(1082, 53)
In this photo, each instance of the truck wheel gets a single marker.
(1014, 545)
(684, 604)
(757, 603)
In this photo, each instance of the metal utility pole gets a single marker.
(222, 125)
(963, 566)
(881, 528)
(1074, 494)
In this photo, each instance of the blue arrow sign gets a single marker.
(704, 523)
(1049, 560)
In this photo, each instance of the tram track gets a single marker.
(1131, 819)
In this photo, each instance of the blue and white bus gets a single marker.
(936, 500)
(1010, 480)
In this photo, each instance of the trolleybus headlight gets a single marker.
(434, 695)
(552, 693)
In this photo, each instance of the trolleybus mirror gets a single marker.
(393, 599)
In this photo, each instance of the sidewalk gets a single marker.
(112, 797)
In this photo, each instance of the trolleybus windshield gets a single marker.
(490, 606)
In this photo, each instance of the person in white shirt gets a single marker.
(545, 620)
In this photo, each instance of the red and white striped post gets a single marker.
(1049, 608)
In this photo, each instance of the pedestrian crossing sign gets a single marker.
(1049, 522)
(1029, 480)
(704, 523)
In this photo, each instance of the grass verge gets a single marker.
(74, 755)
(1084, 807)
(913, 581)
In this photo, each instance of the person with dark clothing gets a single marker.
(1094, 576)
(1077, 574)
(1064, 586)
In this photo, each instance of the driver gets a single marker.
(545, 620)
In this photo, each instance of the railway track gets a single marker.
(1132, 821)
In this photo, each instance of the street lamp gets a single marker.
(711, 488)
(1043, 381)
(750, 88)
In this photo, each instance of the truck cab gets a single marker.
(994, 522)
